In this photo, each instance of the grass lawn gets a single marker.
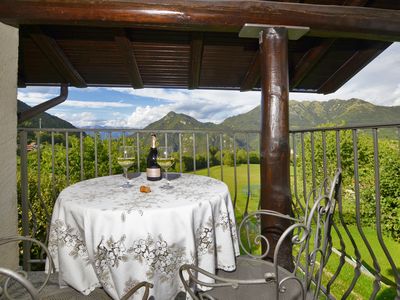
(242, 185)
(364, 285)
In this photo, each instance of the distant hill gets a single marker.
(175, 121)
(246, 121)
(180, 122)
(351, 112)
(48, 120)
(308, 114)
(305, 114)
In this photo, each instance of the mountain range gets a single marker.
(305, 114)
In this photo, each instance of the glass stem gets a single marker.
(126, 175)
(166, 176)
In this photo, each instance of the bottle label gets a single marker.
(156, 172)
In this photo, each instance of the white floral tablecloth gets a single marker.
(105, 235)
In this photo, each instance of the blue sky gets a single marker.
(378, 83)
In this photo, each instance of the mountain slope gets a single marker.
(309, 114)
(174, 121)
(48, 121)
(340, 112)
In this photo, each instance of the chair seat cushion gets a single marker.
(249, 268)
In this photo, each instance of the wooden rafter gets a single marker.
(126, 49)
(252, 75)
(312, 57)
(196, 55)
(331, 21)
(52, 51)
(353, 65)
(308, 61)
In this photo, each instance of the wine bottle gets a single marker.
(153, 171)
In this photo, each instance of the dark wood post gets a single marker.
(275, 159)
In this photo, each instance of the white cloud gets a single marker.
(79, 119)
(34, 98)
(94, 104)
(144, 115)
(140, 118)
(204, 105)
(396, 94)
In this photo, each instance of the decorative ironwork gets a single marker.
(311, 240)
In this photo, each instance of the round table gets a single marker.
(105, 235)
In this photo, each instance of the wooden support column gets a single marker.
(274, 151)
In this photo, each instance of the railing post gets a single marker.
(23, 143)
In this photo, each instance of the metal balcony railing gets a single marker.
(362, 262)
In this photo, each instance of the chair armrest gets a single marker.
(18, 238)
(145, 284)
(9, 274)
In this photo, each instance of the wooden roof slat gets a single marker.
(56, 57)
(219, 15)
(126, 50)
(196, 55)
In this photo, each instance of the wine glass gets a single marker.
(126, 159)
(165, 161)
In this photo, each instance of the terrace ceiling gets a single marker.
(194, 44)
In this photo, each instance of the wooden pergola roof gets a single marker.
(194, 44)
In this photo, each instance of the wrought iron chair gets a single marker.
(38, 285)
(256, 278)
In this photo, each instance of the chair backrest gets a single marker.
(319, 223)
(310, 238)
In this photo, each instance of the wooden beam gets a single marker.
(353, 65)
(126, 49)
(355, 2)
(308, 61)
(274, 139)
(252, 75)
(196, 56)
(56, 57)
(21, 70)
(21, 82)
(199, 15)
